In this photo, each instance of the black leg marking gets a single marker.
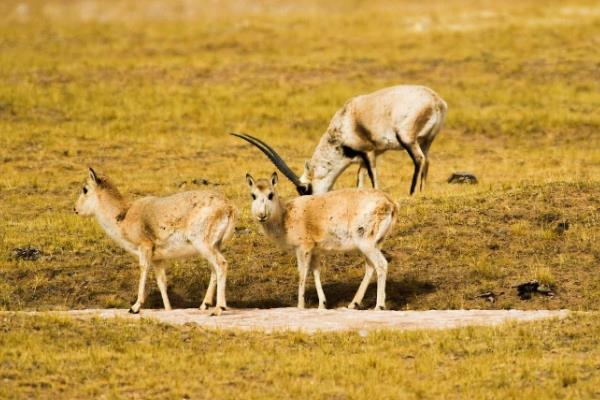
(133, 312)
(415, 162)
(413, 185)
(351, 153)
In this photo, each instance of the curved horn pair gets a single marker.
(277, 160)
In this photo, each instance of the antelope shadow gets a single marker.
(339, 294)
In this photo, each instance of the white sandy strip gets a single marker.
(313, 320)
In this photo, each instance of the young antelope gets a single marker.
(342, 220)
(156, 229)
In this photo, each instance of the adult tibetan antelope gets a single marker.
(156, 229)
(342, 220)
(400, 117)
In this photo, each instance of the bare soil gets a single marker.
(314, 320)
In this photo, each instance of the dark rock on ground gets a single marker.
(527, 289)
(27, 253)
(200, 181)
(463, 177)
(561, 227)
(489, 296)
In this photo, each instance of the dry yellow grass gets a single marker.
(48, 357)
(148, 93)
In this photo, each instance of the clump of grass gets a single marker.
(545, 276)
(520, 228)
(483, 267)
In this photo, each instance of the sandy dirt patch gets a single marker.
(313, 320)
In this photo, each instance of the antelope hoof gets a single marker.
(353, 306)
(323, 306)
(132, 311)
(205, 306)
(379, 308)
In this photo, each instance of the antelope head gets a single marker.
(265, 201)
(87, 203)
(320, 173)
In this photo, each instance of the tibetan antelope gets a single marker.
(156, 229)
(400, 117)
(341, 220)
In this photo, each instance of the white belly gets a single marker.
(337, 240)
(175, 246)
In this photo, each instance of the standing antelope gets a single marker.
(399, 117)
(160, 228)
(342, 220)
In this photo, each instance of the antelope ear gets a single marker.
(93, 176)
(274, 179)
(307, 169)
(249, 180)
(306, 165)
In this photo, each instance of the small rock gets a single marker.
(489, 296)
(527, 289)
(27, 253)
(561, 227)
(463, 177)
(200, 181)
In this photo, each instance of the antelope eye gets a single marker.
(271, 196)
(253, 196)
(85, 190)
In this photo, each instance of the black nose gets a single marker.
(304, 189)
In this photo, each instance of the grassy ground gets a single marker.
(147, 94)
(50, 358)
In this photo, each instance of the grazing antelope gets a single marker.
(399, 117)
(341, 220)
(160, 228)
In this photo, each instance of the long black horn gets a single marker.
(273, 156)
